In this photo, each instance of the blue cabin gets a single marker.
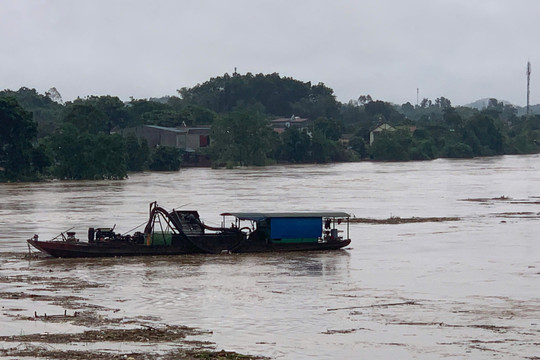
(293, 227)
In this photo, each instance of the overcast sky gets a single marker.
(463, 50)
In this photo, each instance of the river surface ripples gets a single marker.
(455, 289)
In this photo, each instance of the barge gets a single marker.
(182, 232)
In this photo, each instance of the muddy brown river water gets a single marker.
(436, 289)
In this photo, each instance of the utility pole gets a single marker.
(417, 94)
(528, 85)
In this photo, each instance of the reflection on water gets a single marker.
(475, 277)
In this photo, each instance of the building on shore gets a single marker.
(189, 139)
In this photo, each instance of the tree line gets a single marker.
(43, 137)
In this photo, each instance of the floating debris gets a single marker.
(31, 351)
(376, 305)
(489, 327)
(520, 215)
(64, 316)
(532, 200)
(344, 331)
(400, 220)
(501, 198)
(141, 334)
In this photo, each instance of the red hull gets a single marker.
(65, 249)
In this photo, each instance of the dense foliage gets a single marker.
(277, 95)
(243, 138)
(41, 136)
(17, 132)
(83, 155)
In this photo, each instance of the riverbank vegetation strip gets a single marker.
(247, 120)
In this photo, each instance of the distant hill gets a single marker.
(521, 110)
(535, 109)
(483, 103)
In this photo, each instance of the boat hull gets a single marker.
(65, 249)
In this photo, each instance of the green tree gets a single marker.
(41, 158)
(458, 150)
(381, 112)
(354, 117)
(17, 132)
(392, 146)
(197, 115)
(296, 146)
(422, 150)
(165, 158)
(358, 144)
(320, 102)
(431, 139)
(86, 117)
(524, 135)
(442, 103)
(330, 128)
(408, 109)
(277, 95)
(364, 99)
(113, 108)
(452, 118)
(97, 113)
(375, 108)
(138, 153)
(167, 118)
(484, 138)
(323, 150)
(109, 157)
(45, 111)
(81, 155)
(137, 108)
(242, 138)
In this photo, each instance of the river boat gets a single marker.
(182, 232)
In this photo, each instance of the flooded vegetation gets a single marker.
(443, 263)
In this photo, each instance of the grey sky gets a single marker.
(463, 50)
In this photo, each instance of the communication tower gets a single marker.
(528, 84)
